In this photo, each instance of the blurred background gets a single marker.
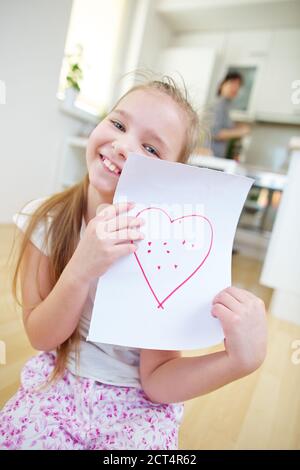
(63, 64)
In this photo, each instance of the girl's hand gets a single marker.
(107, 237)
(243, 319)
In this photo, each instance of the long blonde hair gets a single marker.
(68, 207)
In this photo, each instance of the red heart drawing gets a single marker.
(150, 246)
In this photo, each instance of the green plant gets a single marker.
(74, 74)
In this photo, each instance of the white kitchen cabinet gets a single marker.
(275, 53)
(247, 46)
(195, 65)
(281, 69)
(275, 92)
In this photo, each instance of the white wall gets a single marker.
(32, 129)
(147, 36)
(157, 36)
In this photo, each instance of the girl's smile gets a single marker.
(111, 167)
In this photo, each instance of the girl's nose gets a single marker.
(120, 149)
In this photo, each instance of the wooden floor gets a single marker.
(261, 411)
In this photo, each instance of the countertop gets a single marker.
(263, 177)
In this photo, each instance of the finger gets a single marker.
(123, 221)
(106, 212)
(123, 250)
(110, 230)
(125, 235)
(239, 294)
(226, 299)
(235, 292)
(221, 312)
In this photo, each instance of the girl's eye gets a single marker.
(118, 125)
(151, 150)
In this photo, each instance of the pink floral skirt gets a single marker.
(80, 413)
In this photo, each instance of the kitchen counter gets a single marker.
(264, 178)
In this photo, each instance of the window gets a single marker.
(95, 29)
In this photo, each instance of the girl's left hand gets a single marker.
(243, 318)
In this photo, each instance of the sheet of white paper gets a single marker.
(160, 297)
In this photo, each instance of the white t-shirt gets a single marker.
(106, 363)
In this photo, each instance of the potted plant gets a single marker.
(74, 77)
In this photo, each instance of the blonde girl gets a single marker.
(100, 396)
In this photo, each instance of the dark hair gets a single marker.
(228, 77)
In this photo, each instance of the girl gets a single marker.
(100, 396)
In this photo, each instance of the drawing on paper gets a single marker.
(174, 252)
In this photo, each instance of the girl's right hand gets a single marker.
(107, 237)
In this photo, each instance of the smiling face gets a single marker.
(146, 122)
